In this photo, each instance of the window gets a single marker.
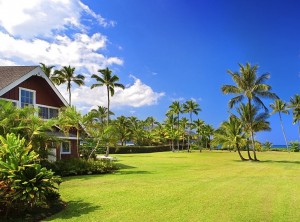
(27, 97)
(47, 112)
(65, 148)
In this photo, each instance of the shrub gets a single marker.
(24, 184)
(294, 146)
(76, 166)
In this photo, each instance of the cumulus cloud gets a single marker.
(136, 95)
(55, 32)
(32, 18)
(80, 51)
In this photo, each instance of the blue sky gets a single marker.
(162, 50)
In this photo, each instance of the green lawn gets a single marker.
(208, 186)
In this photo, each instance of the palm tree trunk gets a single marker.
(107, 146)
(281, 123)
(108, 102)
(77, 135)
(298, 133)
(252, 134)
(178, 132)
(69, 89)
(239, 152)
(253, 145)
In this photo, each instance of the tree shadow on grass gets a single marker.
(281, 161)
(75, 209)
(270, 161)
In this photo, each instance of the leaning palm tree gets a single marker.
(231, 134)
(191, 107)
(67, 75)
(110, 81)
(295, 106)
(279, 107)
(250, 87)
(176, 108)
(48, 71)
(253, 122)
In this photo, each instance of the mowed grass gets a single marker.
(208, 186)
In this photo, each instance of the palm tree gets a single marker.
(169, 126)
(230, 134)
(101, 113)
(183, 126)
(191, 107)
(176, 108)
(279, 107)
(110, 81)
(295, 105)
(48, 71)
(69, 118)
(67, 75)
(122, 128)
(250, 87)
(253, 122)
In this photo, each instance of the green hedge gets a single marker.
(76, 166)
(139, 149)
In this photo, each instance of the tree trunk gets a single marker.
(239, 152)
(252, 134)
(248, 151)
(107, 146)
(253, 146)
(281, 123)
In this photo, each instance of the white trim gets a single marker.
(35, 72)
(30, 90)
(67, 138)
(51, 107)
(61, 148)
(11, 100)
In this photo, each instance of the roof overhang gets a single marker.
(35, 72)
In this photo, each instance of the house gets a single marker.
(29, 86)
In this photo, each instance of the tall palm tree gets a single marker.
(67, 75)
(230, 134)
(198, 125)
(176, 108)
(169, 126)
(250, 87)
(279, 107)
(191, 107)
(295, 105)
(108, 80)
(183, 127)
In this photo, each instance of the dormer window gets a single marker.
(27, 97)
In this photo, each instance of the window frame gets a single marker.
(48, 107)
(20, 96)
(61, 147)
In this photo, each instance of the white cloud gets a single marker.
(79, 51)
(32, 18)
(54, 32)
(136, 95)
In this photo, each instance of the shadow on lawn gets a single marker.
(132, 172)
(75, 209)
(270, 161)
(280, 161)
